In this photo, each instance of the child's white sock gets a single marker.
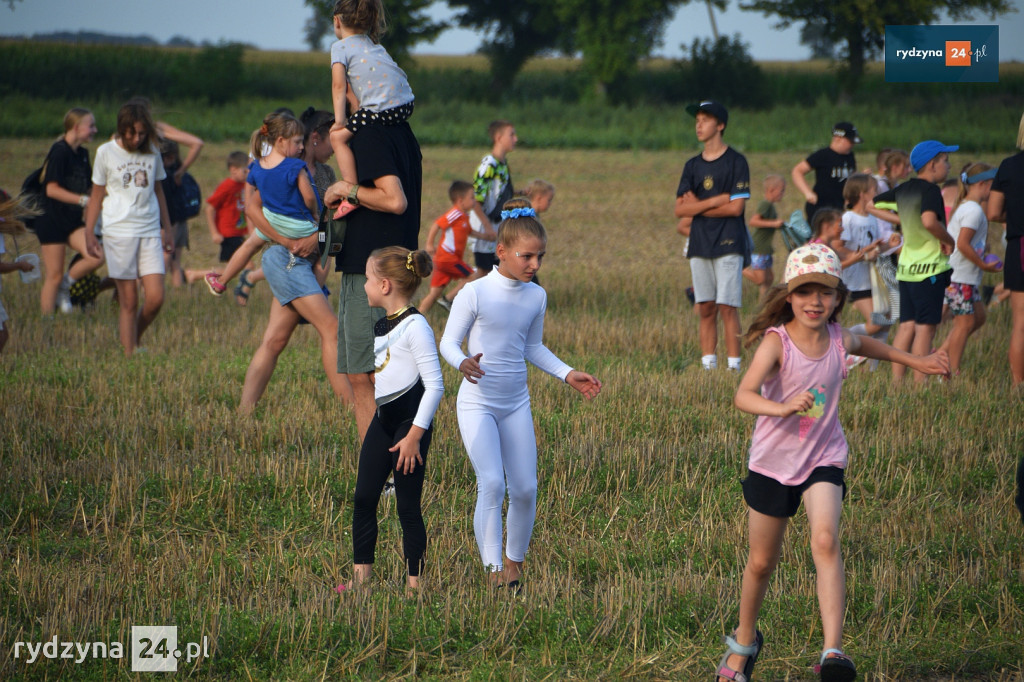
(66, 281)
(734, 364)
(709, 361)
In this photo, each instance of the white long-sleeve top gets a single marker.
(504, 319)
(403, 356)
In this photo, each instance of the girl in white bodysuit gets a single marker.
(503, 316)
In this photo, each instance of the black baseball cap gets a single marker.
(847, 130)
(709, 107)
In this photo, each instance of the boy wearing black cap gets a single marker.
(713, 191)
(924, 270)
(831, 166)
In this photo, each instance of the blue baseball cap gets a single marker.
(925, 151)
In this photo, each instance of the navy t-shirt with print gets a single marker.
(728, 174)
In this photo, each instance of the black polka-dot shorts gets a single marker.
(388, 117)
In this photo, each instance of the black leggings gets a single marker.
(390, 424)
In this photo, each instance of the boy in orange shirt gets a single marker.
(454, 229)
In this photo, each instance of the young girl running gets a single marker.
(126, 185)
(407, 389)
(798, 449)
(290, 201)
(364, 70)
(868, 237)
(503, 316)
(969, 229)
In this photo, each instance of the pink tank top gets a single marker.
(789, 449)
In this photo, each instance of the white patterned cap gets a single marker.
(813, 263)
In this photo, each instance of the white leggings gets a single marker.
(502, 447)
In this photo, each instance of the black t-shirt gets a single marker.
(379, 151)
(71, 170)
(1010, 181)
(830, 172)
(174, 195)
(728, 174)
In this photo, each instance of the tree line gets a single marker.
(612, 36)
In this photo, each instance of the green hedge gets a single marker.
(222, 92)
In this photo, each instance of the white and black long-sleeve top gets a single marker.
(504, 320)
(405, 352)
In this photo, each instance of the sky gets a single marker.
(277, 25)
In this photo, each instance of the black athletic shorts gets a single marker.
(921, 302)
(766, 495)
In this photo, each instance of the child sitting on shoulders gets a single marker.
(363, 69)
(453, 229)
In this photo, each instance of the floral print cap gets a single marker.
(813, 263)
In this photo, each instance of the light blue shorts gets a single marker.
(289, 277)
(718, 279)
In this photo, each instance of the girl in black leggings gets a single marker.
(407, 390)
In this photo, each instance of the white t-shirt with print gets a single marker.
(969, 214)
(130, 208)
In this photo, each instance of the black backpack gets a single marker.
(33, 191)
(192, 197)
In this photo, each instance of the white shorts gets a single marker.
(718, 279)
(133, 257)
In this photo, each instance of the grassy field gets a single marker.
(132, 494)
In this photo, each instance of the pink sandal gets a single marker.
(216, 288)
(344, 208)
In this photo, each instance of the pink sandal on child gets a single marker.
(216, 288)
(344, 208)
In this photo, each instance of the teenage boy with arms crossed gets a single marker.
(713, 190)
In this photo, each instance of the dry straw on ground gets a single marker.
(134, 495)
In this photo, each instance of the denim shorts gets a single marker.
(289, 276)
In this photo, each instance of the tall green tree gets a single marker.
(613, 35)
(515, 31)
(859, 25)
(408, 24)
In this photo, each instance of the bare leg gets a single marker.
(316, 309)
(127, 316)
(513, 570)
(963, 327)
(766, 534)
(903, 340)
(824, 502)
(731, 329)
(708, 311)
(87, 263)
(53, 271)
(429, 300)
(865, 308)
(346, 159)
(924, 334)
(362, 389)
(153, 290)
(4, 335)
(282, 323)
(1017, 337)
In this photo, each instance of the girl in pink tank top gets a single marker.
(798, 451)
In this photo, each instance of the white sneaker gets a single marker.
(64, 301)
(445, 303)
(854, 360)
(389, 487)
